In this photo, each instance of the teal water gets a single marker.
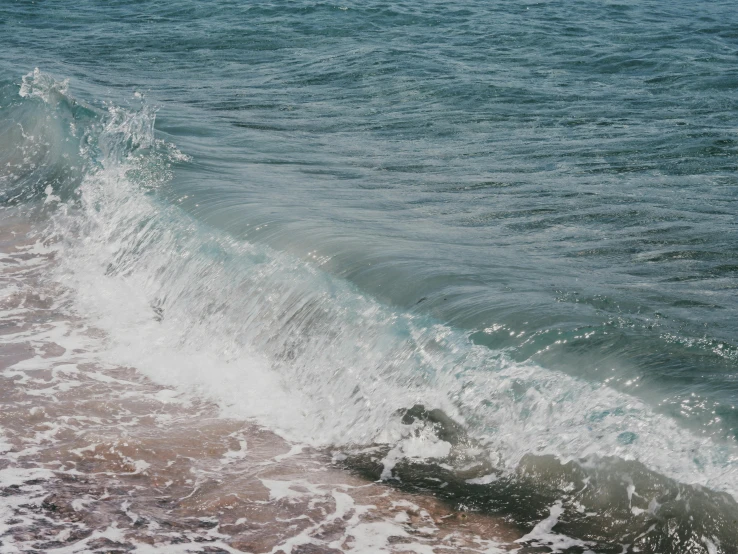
(423, 194)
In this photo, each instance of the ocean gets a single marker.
(481, 254)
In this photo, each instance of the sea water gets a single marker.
(494, 243)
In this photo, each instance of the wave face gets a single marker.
(487, 287)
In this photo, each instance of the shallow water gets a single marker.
(318, 216)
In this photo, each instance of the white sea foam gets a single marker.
(542, 534)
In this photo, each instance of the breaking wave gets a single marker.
(394, 394)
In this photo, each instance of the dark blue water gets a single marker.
(549, 184)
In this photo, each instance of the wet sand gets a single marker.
(95, 457)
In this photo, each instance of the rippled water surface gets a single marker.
(521, 214)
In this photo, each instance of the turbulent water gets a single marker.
(485, 251)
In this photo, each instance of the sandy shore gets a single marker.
(96, 457)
